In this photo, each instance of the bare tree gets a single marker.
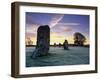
(29, 41)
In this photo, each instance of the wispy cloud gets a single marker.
(61, 29)
(55, 20)
(69, 24)
(66, 29)
(31, 28)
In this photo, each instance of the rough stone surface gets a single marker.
(43, 41)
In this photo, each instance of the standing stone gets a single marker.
(43, 41)
(65, 45)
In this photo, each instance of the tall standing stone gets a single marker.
(43, 41)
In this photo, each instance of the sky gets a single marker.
(62, 26)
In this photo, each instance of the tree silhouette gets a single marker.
(29, 41)
(79, 39)
(55, 44)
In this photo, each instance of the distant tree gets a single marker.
(55, 44)
(59, 44)
(29, 41)
(79, 39)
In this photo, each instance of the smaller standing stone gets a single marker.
(65, 45)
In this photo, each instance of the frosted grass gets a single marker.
(58, 56)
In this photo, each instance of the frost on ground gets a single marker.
(58, 56)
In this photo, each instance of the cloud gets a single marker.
(30, 35)
(31, 28)
(66, 29)
(69, 24)
(55, 20)
(61, 29)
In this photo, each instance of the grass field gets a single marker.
(58, 56)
